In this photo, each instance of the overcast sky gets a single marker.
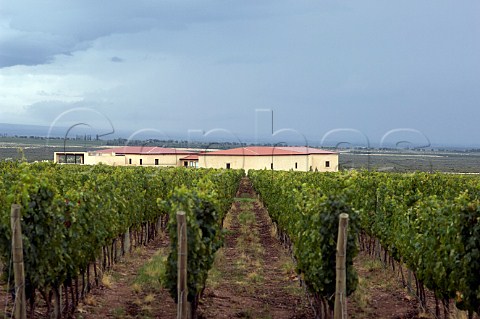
(372, 67)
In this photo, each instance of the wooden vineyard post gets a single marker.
(409, 281)
(182, 306)
(20, 310)
(126, 242)
(340, 308)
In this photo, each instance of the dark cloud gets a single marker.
(116, 59)
(31, 48)
(44, 29)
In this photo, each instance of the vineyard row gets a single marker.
(73, 216)
(430, 222)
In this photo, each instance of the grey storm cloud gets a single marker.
(369, 65)
(42, 29)
(32, 48)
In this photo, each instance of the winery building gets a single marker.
(296, 158)
(276, 158)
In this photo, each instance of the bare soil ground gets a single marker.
(120, 296)
(257, 275)
(380, 293)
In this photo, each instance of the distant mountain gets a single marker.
(7, 129)
(10, 130)
(26, 130)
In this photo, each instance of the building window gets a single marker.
(156, 161)
(327, 163)
(271, 165)
(129, 161)
(141, 161)
(185, 163)
(296, 166)
(228, 166)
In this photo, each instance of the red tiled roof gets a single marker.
(144, 150)
(269, 151)
(190, 157)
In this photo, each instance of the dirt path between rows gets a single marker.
(256, 277)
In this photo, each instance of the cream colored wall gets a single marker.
(285, 162)
(149, 160)
(318, 162)
(89, 160)
(104, 158)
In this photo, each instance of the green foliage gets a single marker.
(203, 239)
(315, 249)
(306, 206)
(429, 221)
(469, 215)
(69, 212)
(205, 206)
